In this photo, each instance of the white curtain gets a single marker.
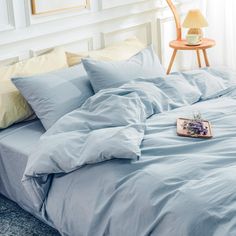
(221, 15)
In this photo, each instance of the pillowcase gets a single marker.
(226, 74)
(55, 94)
(178, 89)
(103, 74)
(14, 107)
(75, 59)
(53, 60)
(117, 52)
(209, 85)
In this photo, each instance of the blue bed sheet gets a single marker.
(16, 143)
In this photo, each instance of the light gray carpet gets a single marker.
(16, 222)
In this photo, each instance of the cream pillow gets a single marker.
(116, 52)
(13, 107)
(74, 59)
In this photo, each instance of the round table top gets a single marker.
(183, 45)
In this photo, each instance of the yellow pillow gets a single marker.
(116, 52)
(74, 59)
(13, 107)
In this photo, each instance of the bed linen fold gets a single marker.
(111, 124)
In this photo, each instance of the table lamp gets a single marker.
(195, 21)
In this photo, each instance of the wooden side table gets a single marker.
(182, 45)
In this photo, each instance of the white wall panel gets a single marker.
(142, 32)
(104, 22)
(106, 4)
(6, 15)
(8, 60)
(43, 17)
(49, 7)
(74, 46)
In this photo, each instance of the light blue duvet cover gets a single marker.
(115, 166)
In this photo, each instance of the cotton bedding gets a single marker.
(16, 143)
(115, 166)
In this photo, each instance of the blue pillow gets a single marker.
(55, 94)
(179, 90)
(104, 74)
(208, 84)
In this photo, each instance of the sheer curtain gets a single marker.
(221, 15)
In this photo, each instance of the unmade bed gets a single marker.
(111, 163)
(179, 186)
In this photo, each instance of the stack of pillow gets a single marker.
(52, 93)
(48, 86)
(13, 107)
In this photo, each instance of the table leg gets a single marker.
(172, 61)
(199, 58)
(206, 58)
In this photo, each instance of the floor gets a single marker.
(16, 222)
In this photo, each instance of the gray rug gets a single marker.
(16, 222)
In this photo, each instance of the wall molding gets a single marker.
(108, 4)
(36, 11)
(10, 16)
(9, 59)
(134, 30)
(81, 45)
(94, 17)
(93, 28)
(35, 19)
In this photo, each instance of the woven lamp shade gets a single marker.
(195, 20)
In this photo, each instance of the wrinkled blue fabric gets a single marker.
(155, 183)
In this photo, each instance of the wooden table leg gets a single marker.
(199, 59)
(172, 61)
(206, 58)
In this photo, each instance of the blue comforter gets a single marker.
(116, 166)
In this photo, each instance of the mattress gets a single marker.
(16, 143)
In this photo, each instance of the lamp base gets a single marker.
(197, 31)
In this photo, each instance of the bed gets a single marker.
(16, 143)
(115, 165)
